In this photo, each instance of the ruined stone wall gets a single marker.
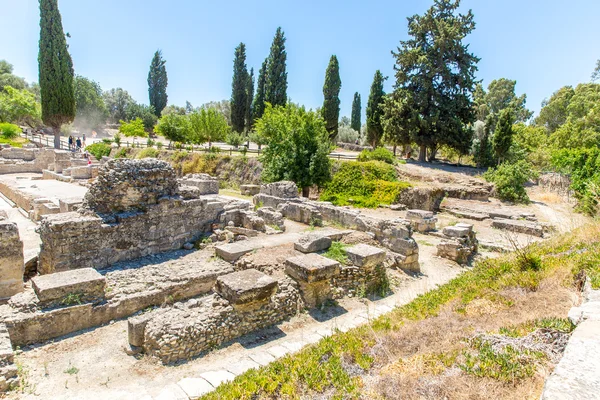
(17, 161)
(74, 240)
(357, 281)
(198, 325)
(11, 259)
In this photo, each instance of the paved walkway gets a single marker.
(577, 375)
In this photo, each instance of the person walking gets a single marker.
(83, 140)
(70, 143)
(78, 142)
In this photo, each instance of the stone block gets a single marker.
(282, 189)
(301, 212)
(250, 190)
(70, 204)
(81, 172)
(365, 256)
(418, 215)
(421, 221)
(312, 242)
(247, 286)
(519, 226)
(272, 217)
(136, 327)
(311, 267)
(11, 259)
(242, 231)
(86, 285)
(335, 235)
(195, 388)
(204, 182)
(6, 351)
(456, 231)
(232, 251)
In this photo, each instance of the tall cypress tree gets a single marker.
(157, 83)
(258, 107)
(239, 87)
(355, 117)
(331, 92)
(276, 82)
(249, 98)
(56, 70)
(375, 111)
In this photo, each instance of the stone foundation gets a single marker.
(11, 259)
(421, 221)
(205, 183)
(459, 243)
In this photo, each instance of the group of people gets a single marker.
(76, 144)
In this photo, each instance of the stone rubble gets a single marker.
(459, 244)
(421, 221)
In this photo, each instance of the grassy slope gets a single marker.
(430, 348)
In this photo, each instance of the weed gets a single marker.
(72, 370)
(337, 252)
(71, 299)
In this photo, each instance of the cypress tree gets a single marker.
(239, 87)
(249, 97)
(355, 117)
(375, 111)
(157, 83)
(331, 92)
(276, 82)
(503, 135)
(56, 70)
(258, 107)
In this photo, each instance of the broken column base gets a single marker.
(313, 274)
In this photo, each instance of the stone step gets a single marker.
(520, 226)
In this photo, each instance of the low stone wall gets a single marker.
(20, 198)
(394, 234)
(11, 259)
(25, 160)
(192, 327)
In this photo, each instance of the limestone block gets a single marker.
(189, 192)
(250, 220)
(312, 242)
(204, 182)
(84, 172)
(282, 189)
(335, 235)
(6, 351)
(311, 267)
(242, 231)
(61, 165)
(11, 259)
(512, 225)
(232, 251)
(136, 327)
(456, 231)
(301, 212)
(86, 285)
(246, 286)
(418, 215)
(421, 221)
(271, 217)
(250, 190)
(365, 256)
(70, 204)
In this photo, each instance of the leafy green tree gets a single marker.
(596, 73)
(8, 79)
(554, 111)
(208, 125)
(173, 109)
(356, 110)
(157, 83)
(298, 146)
(375, 111)
(90, 110)
(503, 134)
(143, 112)
(175, 127)
(331, 93)
(510, 179)
(436, 67)
(117, 102)
(276, 79)
(239, 89)
(258, 105)
(56, 70)
(500, 96)
(395, 112)
(133, 128)
(249, 98)
(19, 107)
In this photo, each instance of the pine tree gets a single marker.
(249, 98)
(56, 70)
(375, 111)
(239, 87)
(276, 80)
(157, 83)
(331, 92)
(503, 134)
(356, 109)
(436, 67)
(258, 106)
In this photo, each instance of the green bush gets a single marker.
(379, 154)
(364, 184)
(235, 139)
(510, 178)
(122, 153)
(107, 140)
(9, 131)
(99, 150)
(149, 152)
(583, 165)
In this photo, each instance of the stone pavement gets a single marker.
(577, 375)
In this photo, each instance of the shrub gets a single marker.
(133, 128)
(379, 154)
(509, 179)
(9, 131)
(122, 153)
(99, 150)
(346, 134)
(235, 139)
(159, 145)
(117, 139)
(147, 153)
(107, 140)
(583, 165)
(364, 184)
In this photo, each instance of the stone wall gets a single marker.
(11, 259)
(130, 211)
(190, 328)
(17, 161)
(459, 243)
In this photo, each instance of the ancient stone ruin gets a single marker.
(11, 258)
(459, 243)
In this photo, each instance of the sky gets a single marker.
(542, 44)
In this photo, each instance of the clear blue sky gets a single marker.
(543, 44)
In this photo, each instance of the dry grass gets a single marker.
(548, 197)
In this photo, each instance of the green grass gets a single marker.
(16, 142)
(336, 252)
(318, 369)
